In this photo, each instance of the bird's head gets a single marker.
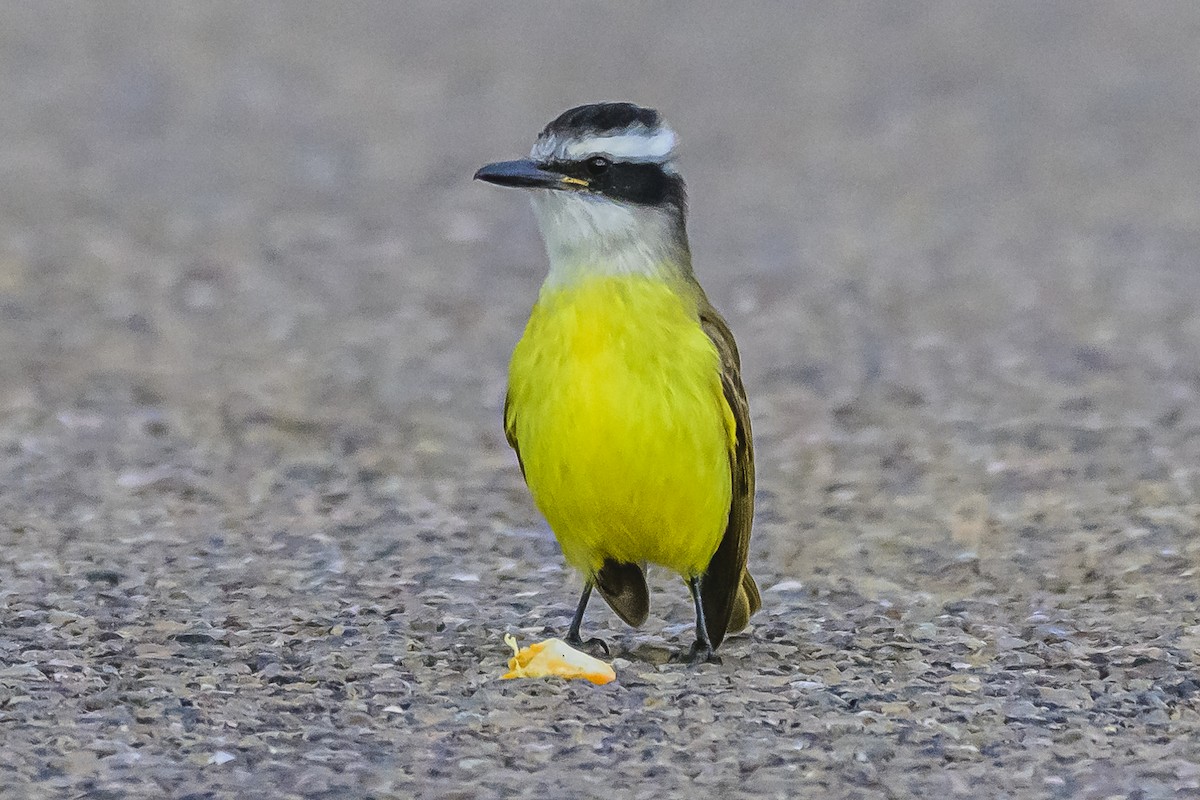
(607, 196)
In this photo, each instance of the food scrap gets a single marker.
(555, 658)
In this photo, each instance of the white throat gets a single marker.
(587, 235)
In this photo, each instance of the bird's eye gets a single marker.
(597, 165)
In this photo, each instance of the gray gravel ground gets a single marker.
(261, 535)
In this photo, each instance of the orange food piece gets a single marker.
(554, 658)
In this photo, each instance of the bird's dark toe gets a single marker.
(702, 653)
(595, 646)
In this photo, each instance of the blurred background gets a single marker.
(256, 316)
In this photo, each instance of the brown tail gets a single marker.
(623, 587)
(746, 603)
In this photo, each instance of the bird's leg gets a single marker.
(573, 638)
(577, 622)
(702, 650)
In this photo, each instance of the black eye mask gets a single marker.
(638, 182)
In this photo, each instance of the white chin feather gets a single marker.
(589, 235)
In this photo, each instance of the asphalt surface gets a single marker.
(260, 534)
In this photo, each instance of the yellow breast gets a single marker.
(624, 434)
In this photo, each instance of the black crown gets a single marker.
(597, 119)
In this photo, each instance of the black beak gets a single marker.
(524, 174)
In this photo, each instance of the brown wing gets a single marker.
(510, 433)
(726, 586)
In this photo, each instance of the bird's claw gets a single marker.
(702, 653)
(699, 653)
(593, 647)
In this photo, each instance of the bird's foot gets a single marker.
(700, 653)
(594, 647)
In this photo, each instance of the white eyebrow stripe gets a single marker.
(624, 146)
(630, 145)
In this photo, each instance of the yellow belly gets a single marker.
(624, 434)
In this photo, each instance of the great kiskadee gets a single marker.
(625, 402)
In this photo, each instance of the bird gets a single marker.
(625, 402)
